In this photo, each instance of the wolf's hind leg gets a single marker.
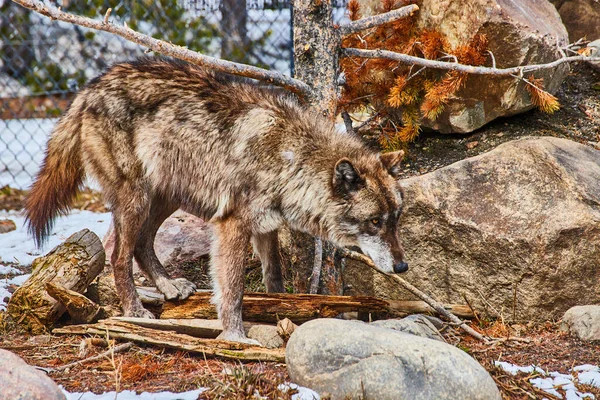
(228, 255)
(266, 245)
(145, 255)
(130, 209)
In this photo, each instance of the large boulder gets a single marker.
(519, 33)
(21, 381)
(581, 18)
(516, 231)
(354, 360)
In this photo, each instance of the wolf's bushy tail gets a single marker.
(60, 177)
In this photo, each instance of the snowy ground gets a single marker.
(303, 394)
(551, 382)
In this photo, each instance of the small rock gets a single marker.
(6, 225)
(472, 145)
(285, 328)
(416, 324)
(21, 381)
(583, 322)
(351, 360)
(266, 335)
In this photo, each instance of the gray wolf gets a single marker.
(159, 134)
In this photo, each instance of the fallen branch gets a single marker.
(169, 49)
(208, 347)
(271, 307)
(433, 303)
(453, 66)
(376, 20)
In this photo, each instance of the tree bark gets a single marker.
(72, 265)
(234, 42)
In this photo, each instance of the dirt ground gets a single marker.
(155, 369)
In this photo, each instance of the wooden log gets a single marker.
(271, 307)
(401, 308)
(73, 265)
(201, 328)
(178, 341)
(81, 309)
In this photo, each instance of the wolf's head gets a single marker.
(370, 203)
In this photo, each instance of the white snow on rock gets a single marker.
(552, 382)
(18, 246)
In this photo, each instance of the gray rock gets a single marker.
(414, 324)
(349, 360)
(21, 381)
(266, 335)
(516, 229)
(583, 322)
(182, 237)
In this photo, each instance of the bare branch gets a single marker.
(169, 49)
(433, 303)
(317, 266)
(469, 69)
(376, 20)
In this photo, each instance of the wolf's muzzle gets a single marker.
(401, 267)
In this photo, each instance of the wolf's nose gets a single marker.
(401, 267)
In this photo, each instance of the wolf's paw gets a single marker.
(138, 312)
(238, 337)
(179, 288)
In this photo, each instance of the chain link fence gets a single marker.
(43, 62)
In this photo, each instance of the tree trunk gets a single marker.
(72, 265)
(316, 51)
(234, 41)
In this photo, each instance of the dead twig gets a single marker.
(452, 66)
(107, 354)
(433, 303)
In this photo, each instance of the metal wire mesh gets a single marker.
(43, 63)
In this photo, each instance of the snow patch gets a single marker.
(18, 247)
(132, 395)
(554, 381)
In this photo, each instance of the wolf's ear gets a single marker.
(391, 162)
(345, 177)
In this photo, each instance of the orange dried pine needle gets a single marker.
(543, 100)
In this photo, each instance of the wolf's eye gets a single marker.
(375, 221)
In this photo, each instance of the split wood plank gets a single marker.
(178, 341)
(201, 328)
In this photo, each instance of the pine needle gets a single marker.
(543, 100)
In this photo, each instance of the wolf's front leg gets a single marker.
(228, 256)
